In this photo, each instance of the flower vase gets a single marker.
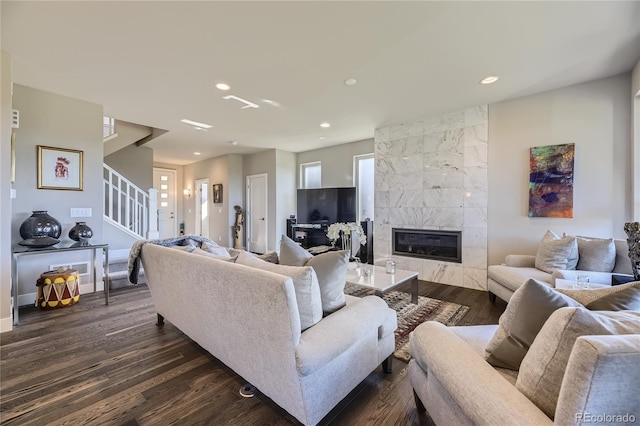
(633, 240)
(346, 243)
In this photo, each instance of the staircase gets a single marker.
(132, 211)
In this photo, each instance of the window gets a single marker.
(108, 127)
(363, 166)
(311, 175)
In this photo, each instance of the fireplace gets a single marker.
(428, 244)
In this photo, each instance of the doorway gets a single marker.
(256, 213)
(164, 180)
(202, 207)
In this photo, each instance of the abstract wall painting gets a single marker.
(551, 181)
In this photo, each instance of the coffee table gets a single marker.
(569, 285)
(382, 282)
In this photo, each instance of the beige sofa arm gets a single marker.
(484, 396)
(520, 260)
(335, 334)
(602, 377)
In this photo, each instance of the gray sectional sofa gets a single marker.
(250, 319)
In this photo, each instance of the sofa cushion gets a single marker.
(624, 297)
(554, 252)
(331, 268)
(542, 369)
(596, 254)
(513, 278)
(224, 257)
(623, 263)
(526, 313)
(270, 256)
(305, 283)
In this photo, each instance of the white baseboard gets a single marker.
(6, 324)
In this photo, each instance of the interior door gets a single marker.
(202, 207)
(164, 180)
(256, 214)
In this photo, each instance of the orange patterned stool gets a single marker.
(57, 289)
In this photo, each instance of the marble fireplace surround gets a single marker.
(432, 174)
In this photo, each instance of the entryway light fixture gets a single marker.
(187, 192)
(490, 79)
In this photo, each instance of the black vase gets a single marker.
(81, 232)
(40, 224)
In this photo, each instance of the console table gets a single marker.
(18, 251)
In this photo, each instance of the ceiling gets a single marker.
(155, 63)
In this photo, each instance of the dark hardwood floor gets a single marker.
(91, 364)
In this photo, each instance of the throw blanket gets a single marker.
(134, 254)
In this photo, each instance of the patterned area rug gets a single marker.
(410, 315)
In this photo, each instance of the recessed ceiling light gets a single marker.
(322, 138)
(195, 123)
(223, 86)
(325, 125)
(270, 102)
(489, 80)
(196, 153)
(233, 142)
(350, 81)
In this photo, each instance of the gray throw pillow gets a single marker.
(214, 249)
(305, 283)
(531, 305)
(596, 254)
(292, 254)
(542, 370)
(554, 252)
(528, 309)
(205, 253)
(331, 268)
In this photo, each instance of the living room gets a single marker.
(601, 116)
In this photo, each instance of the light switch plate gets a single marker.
(80, 212)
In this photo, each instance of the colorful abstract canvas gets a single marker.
(551, 181)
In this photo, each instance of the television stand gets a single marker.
(310, 234)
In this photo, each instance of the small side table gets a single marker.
(17, 251)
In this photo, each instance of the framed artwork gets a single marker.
(217, 193)
(59, 168)
(551, 181)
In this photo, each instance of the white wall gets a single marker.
(285, 191)
(337, 162)
(6, 318)
(222, 216)
(57, 121)
(596, 117)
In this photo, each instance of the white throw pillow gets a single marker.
(225, 257)
(305, 283)
(554, 252)
(331, 268)
(214, 249)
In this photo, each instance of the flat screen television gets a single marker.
(326, 205)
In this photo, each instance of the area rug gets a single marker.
(411, 315)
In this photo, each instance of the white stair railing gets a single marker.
(126, 205)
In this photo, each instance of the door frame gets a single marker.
(198, 211)
(249, 210)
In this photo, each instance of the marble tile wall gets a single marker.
(432, 174)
